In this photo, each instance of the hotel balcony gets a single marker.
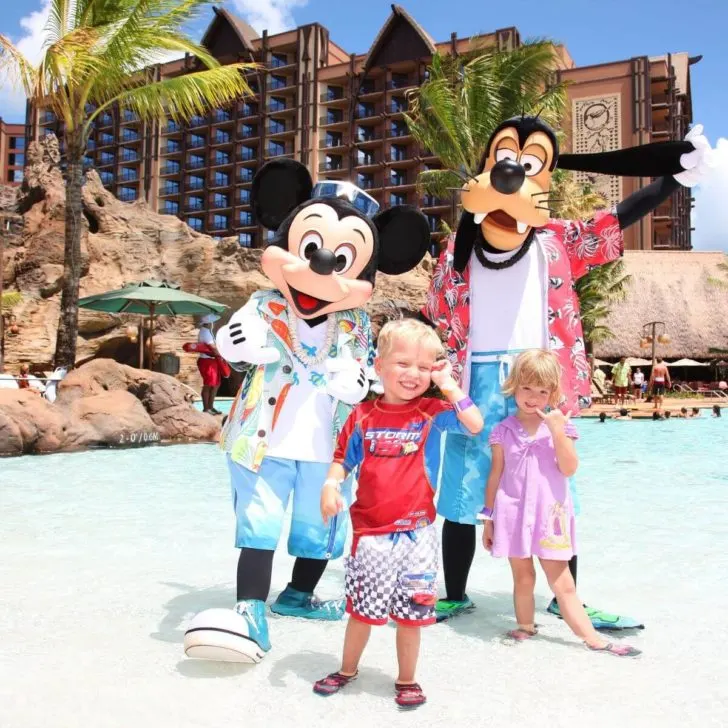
(334, 119)
(334, 166)
(281, 129)
(370, 89)
(284, 86)
(170, 190)
(331, 144)
(253, 132)
(402, 83)
(278, 150)
(246, 155)
(216, 182)
(367, 113)
(172, 128)
(128, 117)
(334, 100)
(247, 111)
(362, 162)
(275, 108)
(430, 202)
(221, 118)
(170, 169)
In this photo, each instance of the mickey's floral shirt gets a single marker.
(572, 249)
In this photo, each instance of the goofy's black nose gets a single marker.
(507, 176)
(323, 262)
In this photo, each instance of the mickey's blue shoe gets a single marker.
(294, 603)
(253, 612)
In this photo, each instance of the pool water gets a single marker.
(222, 404)
(106, 555)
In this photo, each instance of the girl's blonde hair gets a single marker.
(410, 330)
(539, 368)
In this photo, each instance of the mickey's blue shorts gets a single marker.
(260, 501)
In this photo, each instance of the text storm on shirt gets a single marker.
(385, 442)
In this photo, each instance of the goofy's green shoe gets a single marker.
(601, 620)
(294, 603)
(447, 608)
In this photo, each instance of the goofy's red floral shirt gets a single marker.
(572, 249)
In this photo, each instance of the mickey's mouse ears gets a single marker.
(363, 202)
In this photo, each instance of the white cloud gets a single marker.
(710, 215)
(30, 43)
(274, 16)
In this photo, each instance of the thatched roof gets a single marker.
(671, 287)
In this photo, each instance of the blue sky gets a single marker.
(593, 33)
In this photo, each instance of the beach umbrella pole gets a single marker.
(151, 336)
(141, 343)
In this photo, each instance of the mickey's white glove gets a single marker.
(347, 380)
(697, 162)
(244, 340)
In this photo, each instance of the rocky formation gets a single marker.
(122, 243)
(102, 404)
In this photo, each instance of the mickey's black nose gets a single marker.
(507, 176)
(323, 262)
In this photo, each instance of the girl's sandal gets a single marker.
(520, 635)
(408, 695)
(617, 650)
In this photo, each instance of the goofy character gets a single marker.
(505, 284)
(307, 345)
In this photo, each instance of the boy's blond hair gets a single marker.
(536, 367)
(410, 330)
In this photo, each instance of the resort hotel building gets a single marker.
(341, 114)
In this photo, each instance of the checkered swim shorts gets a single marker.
(394, 575)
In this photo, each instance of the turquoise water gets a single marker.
(106, 555)
(221, 405)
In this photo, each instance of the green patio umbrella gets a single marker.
(151, 298)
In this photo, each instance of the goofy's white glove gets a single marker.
(699, 161)
(347, 380)
(244, 339)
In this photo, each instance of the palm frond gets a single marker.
(438, 182)
(185, 96)
(456, 110)
(10, 299)
(16, 68)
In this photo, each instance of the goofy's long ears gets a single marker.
(659, 159)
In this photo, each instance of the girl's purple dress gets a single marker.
(533, 513)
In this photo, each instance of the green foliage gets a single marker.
(10, 299)
(455, 111)
(96, 53)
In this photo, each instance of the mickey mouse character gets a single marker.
(310, 346)
(505, 284)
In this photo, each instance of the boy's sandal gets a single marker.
(618, 650)
(409, 695)
(333, 683)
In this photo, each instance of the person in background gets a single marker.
(602, 417)
(208, 365)
(620, 380)
(696, 412)
(659, 380)
(668, 414)
(684, 413)
(638, 380)
(716, 410)
(624, 414)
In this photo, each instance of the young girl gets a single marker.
(528, 509)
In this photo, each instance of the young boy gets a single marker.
(395, 442)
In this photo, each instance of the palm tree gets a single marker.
(603, 285)
(94, 60)
(455, 111)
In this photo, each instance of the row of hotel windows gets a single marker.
(370, 86)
